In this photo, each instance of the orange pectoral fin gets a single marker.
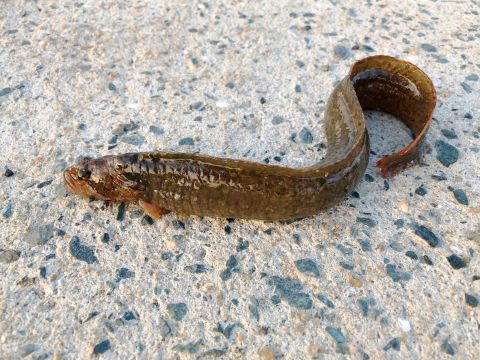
(151, 209)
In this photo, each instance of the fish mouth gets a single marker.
(73, 184)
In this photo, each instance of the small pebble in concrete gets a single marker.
(460, 196)
(308, 267)
(102, 347)
(186, 141)
(448, 348)
(447, 154)
(421, 190)
(426, 234)
(456, 262)
(276, 120)
(428, 48)
(471, 300)
(8, 172)
(177, 310)
(81, 252)
(341, 52)
(336, 334)
(449, 134)
(306, 136)
(393, 344)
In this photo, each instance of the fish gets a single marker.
(195, 184)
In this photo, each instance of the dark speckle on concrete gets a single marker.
(253, 308)
(426, 234)
(226, 274)
(178, 225)
(468, 89)
(366, 221)
(44, 183)
(166, 255)
(164, 328)
(186, 141)
(177, 310)
(449, 134)
(308, 267)
(81, 252)
(364, 304)
(336, 334)
(412, 255)
(196, 268)
(456, 262)
(8, 172)
(439, 177)
(325, 300)
(147, 220)
(341, 52)
(399, 223)
(365, 245)
(231, 262)
(291, 291)
(129, 316)
(447, 154)
(276, 120)
(471, 300)
(426, 259)
(124, 273)
(102, 347)
(134, 139)
(191, 347)
(156, 130)
(460, 196)
(428, 48)
(393, 344)
(242, 245)
(43, 272)
(448, 348)
(121, 211)
(276, 299)
(386, 185)
(395, 275)
(306, 136)
(421, 190)
(345, 250)
(299, 63)
(5, 91)
(106, 238)
(471, 77)
(197, 106)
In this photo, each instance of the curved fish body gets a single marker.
(211, 186)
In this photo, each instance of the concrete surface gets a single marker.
(393, 272)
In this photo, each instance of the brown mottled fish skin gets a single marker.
(210, 186)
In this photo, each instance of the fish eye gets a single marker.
(84, 173)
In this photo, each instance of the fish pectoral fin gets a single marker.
(151, 209)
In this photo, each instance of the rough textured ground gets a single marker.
(393, 272)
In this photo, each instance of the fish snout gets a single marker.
(72, 183)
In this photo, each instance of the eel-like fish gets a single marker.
(210, 186)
